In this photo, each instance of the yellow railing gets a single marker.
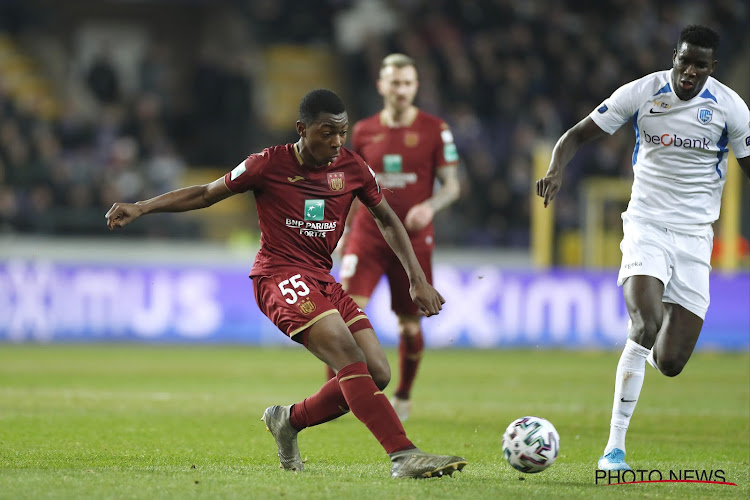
(542, 219)
(731, 218)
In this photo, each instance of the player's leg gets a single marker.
(328, 336)
(361, 367)
(361, 302)
(644, 270)
(686, 300)
(317, 322)
(411, 340)
(676, 340)
(377, 361)
(408, 462)
(329, 402)
(643, 298)
(358, 281)
(332, 342)
(294, 316)
(410, 348)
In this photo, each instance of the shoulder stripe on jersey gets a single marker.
(723, 149)
(708, 95)
(637, 137)
(665, 89)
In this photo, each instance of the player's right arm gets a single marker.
(565, 149)
(179, 200)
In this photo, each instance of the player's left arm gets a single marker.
(421, 214)
(422, 293)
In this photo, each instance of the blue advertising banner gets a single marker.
(486, 307)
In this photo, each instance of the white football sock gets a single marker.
(628, 383)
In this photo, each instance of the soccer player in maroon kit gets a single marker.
(408, 149)
(303, 192)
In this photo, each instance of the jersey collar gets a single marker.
(385, 123)
(298, 155)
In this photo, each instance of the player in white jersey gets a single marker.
(684, 122)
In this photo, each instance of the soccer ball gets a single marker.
(530, 444)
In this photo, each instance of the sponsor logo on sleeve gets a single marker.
(446, 136)
(603, 109)
(450, 152)
(747, 141)
(238, 170)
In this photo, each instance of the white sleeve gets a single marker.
(738, 127)
(620, 107)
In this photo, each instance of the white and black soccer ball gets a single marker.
(531, 444)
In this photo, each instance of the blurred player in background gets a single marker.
(684, 120)
(303, 193)
(408, 149)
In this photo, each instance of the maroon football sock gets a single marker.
(369, 404)
(330, 373)
(410, 349)
(326, 404)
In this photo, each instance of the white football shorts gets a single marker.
(681, 261)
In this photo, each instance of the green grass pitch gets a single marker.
(136, 421)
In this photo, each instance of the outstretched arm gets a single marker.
(745, 165)
(179, 200)
(422, 293)
(420, 215)
(566, 147)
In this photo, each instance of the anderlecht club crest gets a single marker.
(306, 306)
(336, 181)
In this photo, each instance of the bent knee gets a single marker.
(381, 378)
(670, 366)
(409, 328)
(643, 331)
(380, 373)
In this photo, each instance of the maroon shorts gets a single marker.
(294, 302)
(364, 263)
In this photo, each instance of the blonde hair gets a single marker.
(397, 61)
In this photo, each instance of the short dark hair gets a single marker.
(319, 101)
(701, 36)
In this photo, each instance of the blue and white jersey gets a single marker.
(681, 147)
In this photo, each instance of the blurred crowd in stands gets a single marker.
(507, 75)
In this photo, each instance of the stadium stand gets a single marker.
(119, 101)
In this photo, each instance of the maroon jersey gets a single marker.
(301, 209)
(405, 160)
